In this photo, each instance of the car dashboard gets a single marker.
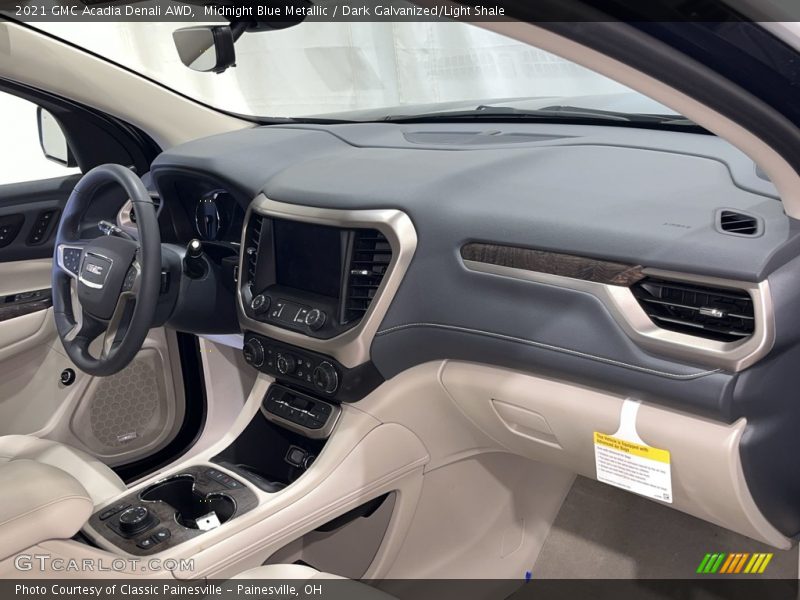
(655, 265)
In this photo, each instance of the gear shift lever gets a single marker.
(194, 262)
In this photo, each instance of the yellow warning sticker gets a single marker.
(631, 448)
(633, 466)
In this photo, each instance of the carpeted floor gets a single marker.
(603, 532)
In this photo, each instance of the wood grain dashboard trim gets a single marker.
(553, 263)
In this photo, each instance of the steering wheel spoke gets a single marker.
(86, 330)
(118, 324)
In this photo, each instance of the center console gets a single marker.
(173, 510)
(312, 288)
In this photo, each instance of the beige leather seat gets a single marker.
(99, 480)
(345, 588)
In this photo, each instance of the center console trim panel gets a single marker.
(319, 433)
(352, 347)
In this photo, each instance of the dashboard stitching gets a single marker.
(545, 346)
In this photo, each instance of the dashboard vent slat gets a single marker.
(252, 245)
(720, 314)
(739, 223)
(370, 259)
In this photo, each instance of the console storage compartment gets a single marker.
(268, 455)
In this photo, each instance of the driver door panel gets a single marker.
(119, 419)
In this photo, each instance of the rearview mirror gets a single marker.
(205, 48)
(53, 140)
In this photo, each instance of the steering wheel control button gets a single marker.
(260, 304)
(315, 319)
(130, 279)
(254, 353)
(71, 259)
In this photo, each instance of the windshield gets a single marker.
(364, 70)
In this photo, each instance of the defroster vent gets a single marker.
(370, 258)
(720, 314)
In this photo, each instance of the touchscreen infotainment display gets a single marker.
(308, 257)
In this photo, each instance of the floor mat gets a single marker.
(603, 532)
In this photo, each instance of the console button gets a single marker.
(146, 543)
(254, 352)
(296, 456)
(315, 319)
(260, 304)
(161, 535)
(326, 378)
(112, 510)
(286, 364)
(231, 483)
(135, 519)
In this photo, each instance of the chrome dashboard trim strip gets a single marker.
(352, 347)
(623, 306)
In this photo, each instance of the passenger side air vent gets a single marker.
(730, 221)
(370, 258)
(252, 246)
(714, 313)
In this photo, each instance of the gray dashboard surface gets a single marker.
(638, 196)
(629, 195)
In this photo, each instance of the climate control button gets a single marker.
(254, 352)
(286, 364)
(326, 378)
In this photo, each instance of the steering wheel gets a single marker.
(117, 279)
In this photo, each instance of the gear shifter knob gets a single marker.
(194, 265)
(194, 249)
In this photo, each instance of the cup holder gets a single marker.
(189, 504)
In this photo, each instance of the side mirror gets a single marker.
(52, 139)
(205, 48)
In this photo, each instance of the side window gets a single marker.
(21, 156)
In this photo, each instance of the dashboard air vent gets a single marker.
(156, 203)
(731, 221)
(369, 262)
(720, 314)
(252, 245)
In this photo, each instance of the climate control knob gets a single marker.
(286, 364)
(315, 319)
(326, 378)
(254, 352)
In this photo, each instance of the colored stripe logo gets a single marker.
(734, 563)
